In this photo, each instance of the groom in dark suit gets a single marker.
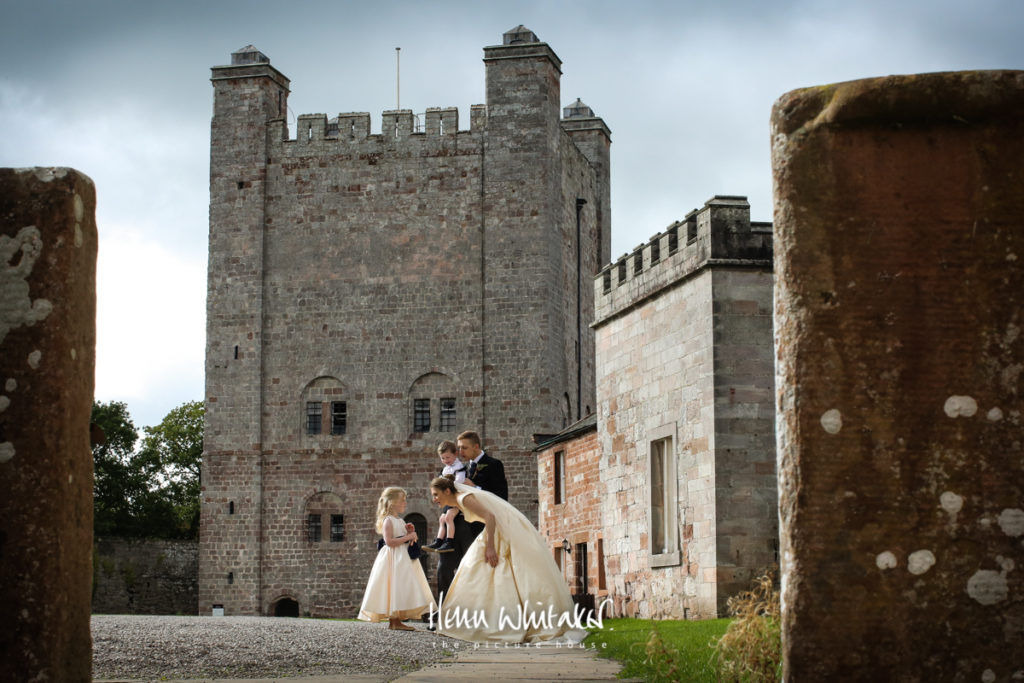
(481, 469)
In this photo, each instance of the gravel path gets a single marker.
(155, 647)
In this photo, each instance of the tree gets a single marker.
(153, 492)
(174, 449)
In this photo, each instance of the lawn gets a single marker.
(661, 650)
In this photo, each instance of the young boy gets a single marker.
(446, 524)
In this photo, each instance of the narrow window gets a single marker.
(447, 423)
(421, 415)
(638, 262)
(673, 239)
(600, 565)
(337, 528)
(339, 417)
(581, 579)
(231, 507)
(559, 477)
(313, 528)
(607, 280)
(622, 271)
(691, 231)
(314, 415)
(655, 251)
(231, 578)
(663, 498)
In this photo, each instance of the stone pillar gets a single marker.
(899, 246)
(47, 361)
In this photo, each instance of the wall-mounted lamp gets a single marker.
(566, 546)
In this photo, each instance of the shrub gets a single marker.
(751, 649)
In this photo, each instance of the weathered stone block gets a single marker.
(899, 233)
(47, 358)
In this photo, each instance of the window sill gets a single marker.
(665, 560)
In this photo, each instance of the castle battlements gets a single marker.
(719, 234)
(438, 124)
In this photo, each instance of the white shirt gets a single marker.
(456, 468)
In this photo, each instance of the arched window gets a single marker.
(324, 408)
(325, 520)
(433, 404)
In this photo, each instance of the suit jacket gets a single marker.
(447, 563)
(489, 475)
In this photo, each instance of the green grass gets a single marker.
(661, 650)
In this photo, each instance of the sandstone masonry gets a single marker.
(686, 415)
(362, 286)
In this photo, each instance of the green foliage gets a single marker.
(751, 649)
(175, 448)
(153, 492)
(661, 650)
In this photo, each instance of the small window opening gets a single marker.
(339, 417)
(691, 232)
(447, 423)
(337, 528)
(622, 271)
(309, 132)
(236, 351)
(421, 415)
(231, 507)
(313, 528)
(314, 414)
(241, 184)
(638, 262)
(231, 578)
(559, 478)
(607, 280)
(673, 239)
(655, 251)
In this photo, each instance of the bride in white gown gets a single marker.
(507, 588)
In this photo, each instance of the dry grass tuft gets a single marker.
(751, 649)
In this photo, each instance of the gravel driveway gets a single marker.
(155, 647)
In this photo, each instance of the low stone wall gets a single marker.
(145, 576)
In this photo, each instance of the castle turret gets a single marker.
(249, 95)
(594, 139)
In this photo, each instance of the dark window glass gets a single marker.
(447, 415)
(313, 417)
(313, 528)
(339, 417)
(337, 528)
(421, 415)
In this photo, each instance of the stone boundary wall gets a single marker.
(145, 576)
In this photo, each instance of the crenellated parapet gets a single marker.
(437, 126)
(719, 234)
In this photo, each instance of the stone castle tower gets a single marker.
(370, 295)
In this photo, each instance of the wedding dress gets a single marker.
(523, 600)
(397, 587)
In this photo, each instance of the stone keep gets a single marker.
(374, 274)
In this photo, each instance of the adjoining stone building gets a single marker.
(685, 391)
(372, 294)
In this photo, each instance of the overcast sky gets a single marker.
(120, 91)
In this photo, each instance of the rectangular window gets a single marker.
(600, 565)
(691, 231)
(313, 528)
(663, 537)
(337, 528)
(339, 417)
(638, 262)
(581, 580)
(673, 239)
(655, 251)
(559, 477)
(607, 278)
(421, 415)
(314, 411)
(447, 415)
(622, 271)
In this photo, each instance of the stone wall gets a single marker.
(684, 358)
(145, 576)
